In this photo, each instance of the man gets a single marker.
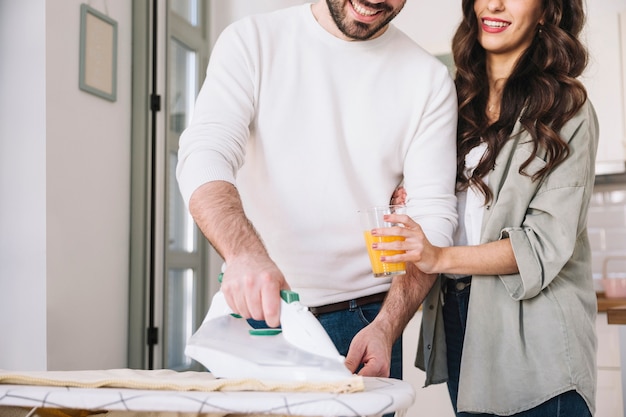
(307, 115)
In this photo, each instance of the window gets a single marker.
(185, 249)
(169, 292)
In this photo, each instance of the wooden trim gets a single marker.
(616, 315)
(604, 303)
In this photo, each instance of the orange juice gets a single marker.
(383, 269)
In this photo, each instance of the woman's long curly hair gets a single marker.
(542, 91)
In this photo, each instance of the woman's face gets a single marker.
(507, 27)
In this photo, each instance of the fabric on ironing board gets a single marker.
(174, 414)
(166, 379)
(55, 412)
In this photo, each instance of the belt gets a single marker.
(458, 284)
(350, 304)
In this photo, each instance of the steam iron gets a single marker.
(300, 350)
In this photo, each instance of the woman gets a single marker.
(511, 322)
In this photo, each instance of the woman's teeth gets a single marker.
(493, 24)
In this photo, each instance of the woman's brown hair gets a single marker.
(542, 91)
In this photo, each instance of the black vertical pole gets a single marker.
(155, 106)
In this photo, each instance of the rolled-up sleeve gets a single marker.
(554, 213)
(545, 242)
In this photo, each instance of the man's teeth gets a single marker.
(493, 24)
(361, 10)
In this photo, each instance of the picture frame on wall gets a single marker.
(98, 53)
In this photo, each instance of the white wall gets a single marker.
(22, 185)
(431, 24)
(64, 193)
(88, 197)
(222, 13)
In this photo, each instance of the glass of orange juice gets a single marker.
(372, 218)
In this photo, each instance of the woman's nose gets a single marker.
(495, 5)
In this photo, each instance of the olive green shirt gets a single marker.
(530, 336)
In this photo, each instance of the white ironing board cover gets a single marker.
(381, 395)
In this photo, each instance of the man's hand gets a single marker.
(371, 348)
(251, 286)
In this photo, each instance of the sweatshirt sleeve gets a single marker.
(430, 166)
(212, 147)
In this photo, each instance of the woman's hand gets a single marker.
(417, 247)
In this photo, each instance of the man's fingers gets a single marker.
(270, 303)
(375, 368)
(353, 359)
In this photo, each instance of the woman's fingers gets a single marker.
(402, 219)
(413, 237)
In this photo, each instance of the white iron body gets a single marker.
(230, 348)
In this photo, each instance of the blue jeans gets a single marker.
(456, 301)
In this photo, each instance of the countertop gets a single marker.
(615, 308)
(605, 304)
(617, 315)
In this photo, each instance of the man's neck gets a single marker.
(322, 15)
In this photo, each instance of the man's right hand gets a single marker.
(251, 286)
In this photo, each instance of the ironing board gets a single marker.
(381, 395)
